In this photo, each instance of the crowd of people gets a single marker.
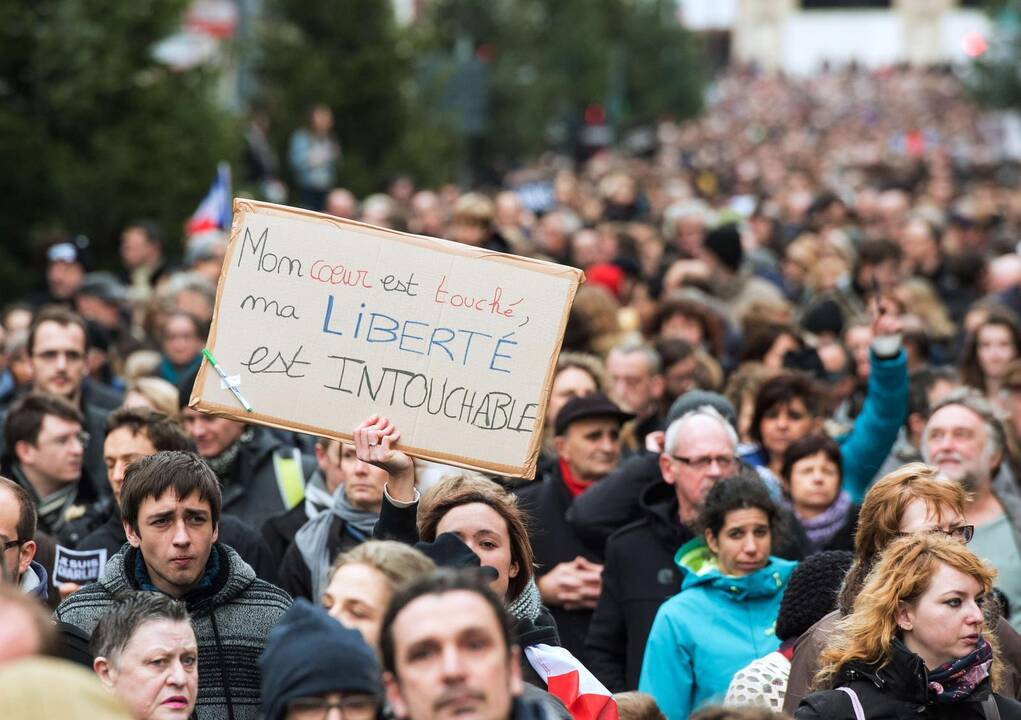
(778, 472)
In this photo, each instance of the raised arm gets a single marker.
(375, 443)
(876, 428)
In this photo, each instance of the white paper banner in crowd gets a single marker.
(78, 566)
(321, 322)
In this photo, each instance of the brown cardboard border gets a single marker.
(241, 206)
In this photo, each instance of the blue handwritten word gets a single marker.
(457, 345)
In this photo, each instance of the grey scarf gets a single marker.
(526, 606)
(53, 508)
(223, 463)
(313, 537)
(317, 498)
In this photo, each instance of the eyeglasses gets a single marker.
(81, 436)
(963, 533)
(5, 546)
(357, 707)
(724, 462)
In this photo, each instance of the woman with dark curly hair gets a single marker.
(724, 616)
(824, 513)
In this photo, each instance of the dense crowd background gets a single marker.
(791, 303)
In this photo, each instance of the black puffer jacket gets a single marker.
(898, 691)
(639, 575)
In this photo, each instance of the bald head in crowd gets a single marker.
(700, 448)
(25, 628)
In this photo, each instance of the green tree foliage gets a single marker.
(547, 60)
(481, 85)
(349, 56)
(995, 77)
(93, 131)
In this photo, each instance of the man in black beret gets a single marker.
(569, 574)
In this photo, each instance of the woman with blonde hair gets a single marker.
(915, 499)
(914, 646)
(155, 394)
(363, 579)
(919, 298)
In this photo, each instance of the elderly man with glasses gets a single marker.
(966, 441)
(640, 572)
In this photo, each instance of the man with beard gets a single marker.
(964, 439)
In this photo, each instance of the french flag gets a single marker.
(214, 211)
(568, 680)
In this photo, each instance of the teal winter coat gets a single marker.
(712, 629)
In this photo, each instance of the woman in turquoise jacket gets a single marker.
(725, 614)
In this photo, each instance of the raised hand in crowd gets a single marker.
(375, 440)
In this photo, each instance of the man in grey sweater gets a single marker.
(170, 504)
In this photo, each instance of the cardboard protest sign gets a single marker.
(321, 322)
(78, 566)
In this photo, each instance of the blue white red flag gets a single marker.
(214, 211)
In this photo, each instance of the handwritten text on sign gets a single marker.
(326, 321)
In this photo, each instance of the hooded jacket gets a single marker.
(712, 629)
(232, 612)
(804, 664)
(33, 582)
(639, 575)
(253, 490)
(897, 691)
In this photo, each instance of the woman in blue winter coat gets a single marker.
(725, 614)
(789, 407)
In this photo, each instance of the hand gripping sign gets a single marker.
(321, 322)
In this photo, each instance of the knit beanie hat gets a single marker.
(308, 653)
(607, 275)
(812, 592)
(823, 316)
(725, 243)
(694, 399)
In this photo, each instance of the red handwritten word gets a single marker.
(339, 275)
(470, 302)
